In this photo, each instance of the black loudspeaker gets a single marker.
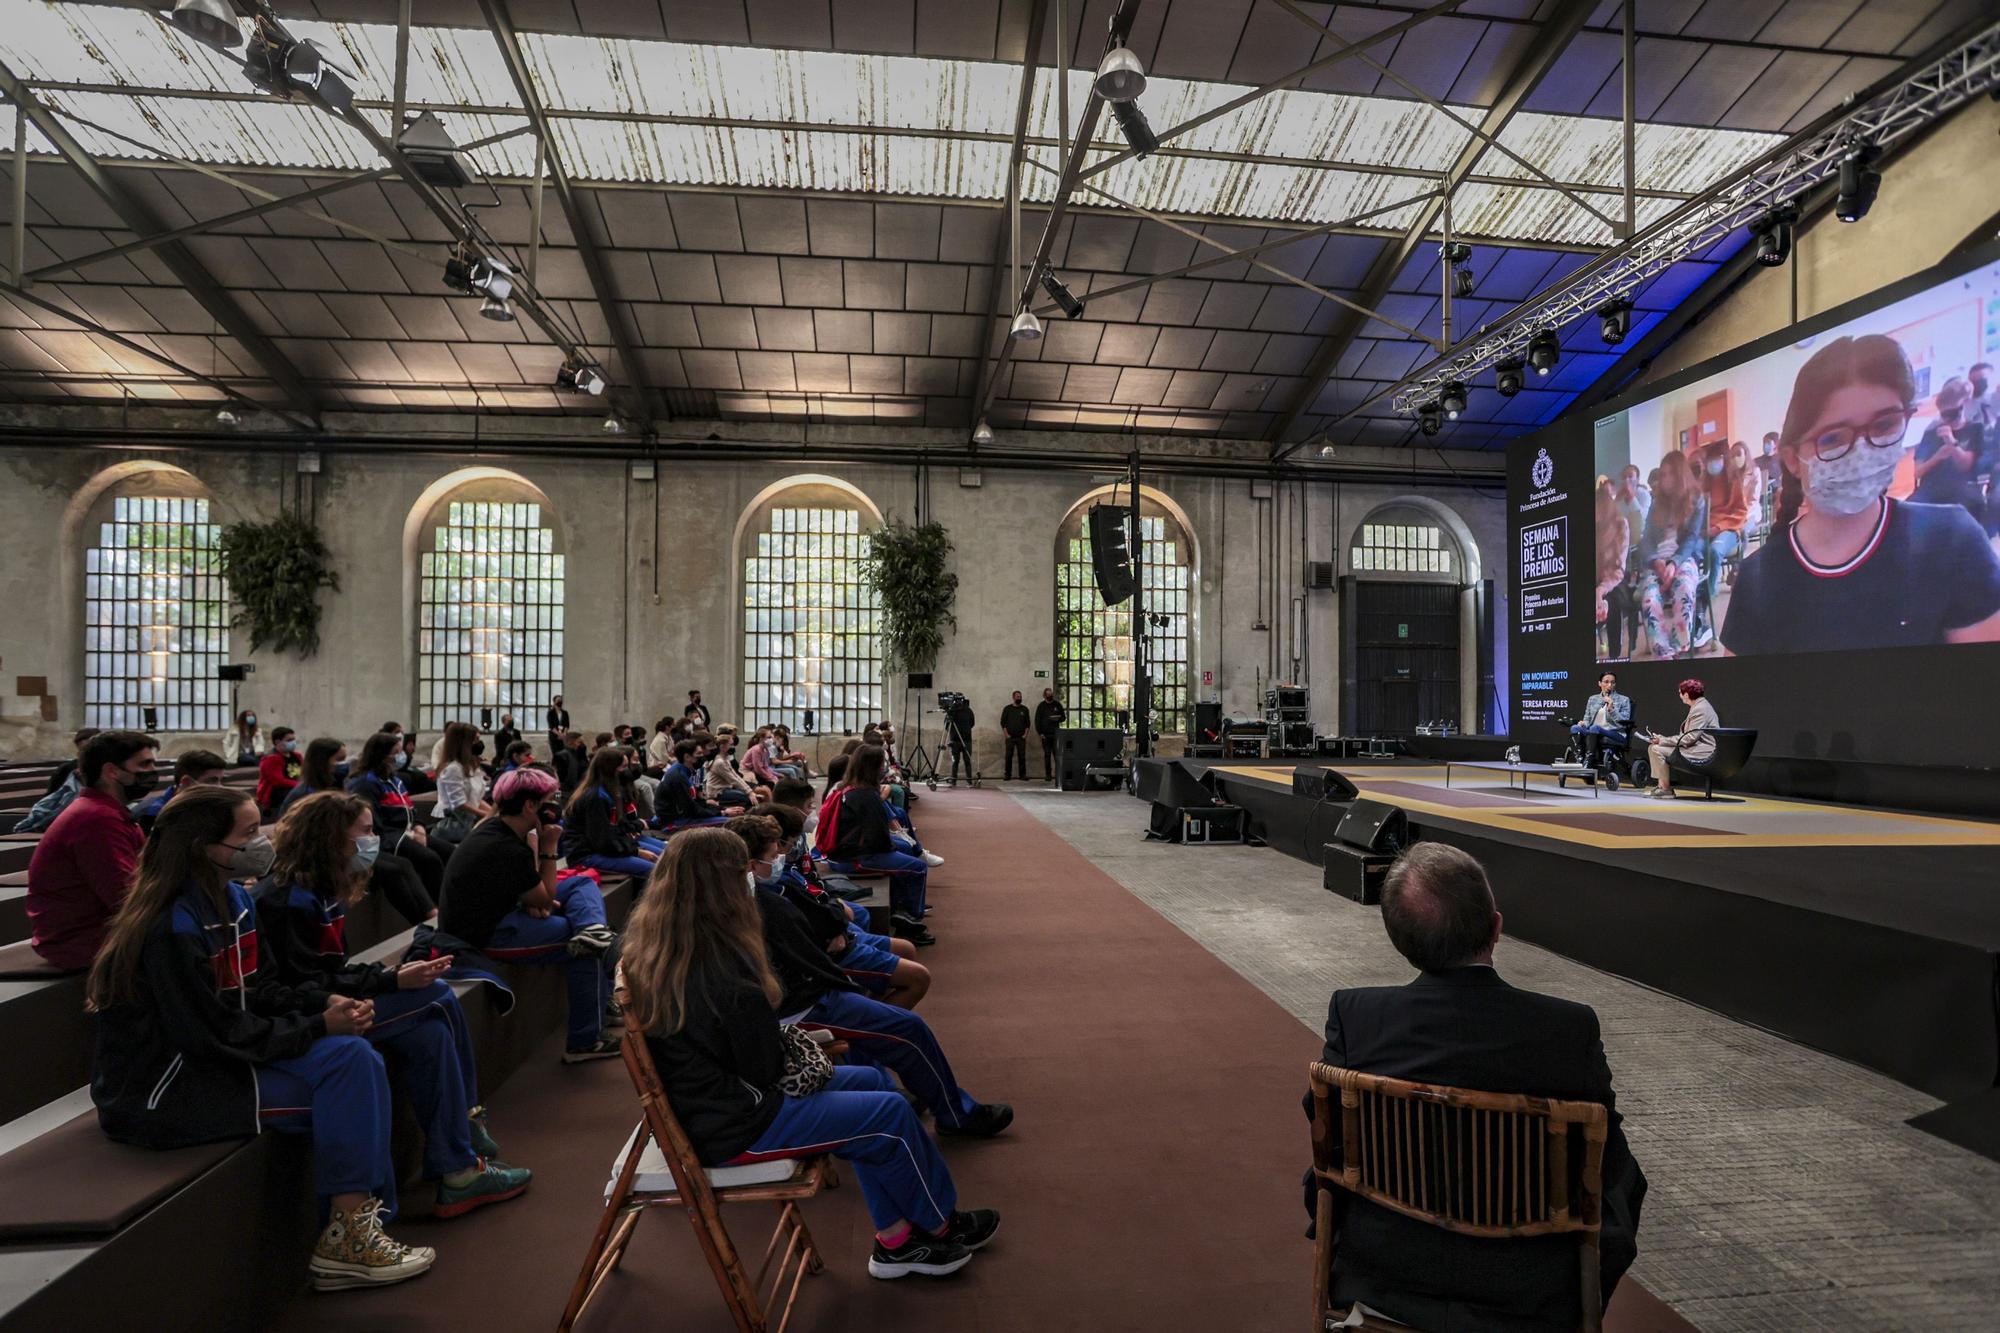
(486, 719)
(1322, 784)
(1110, 552)
(920, 680)
(1207, 722)
(234, 671)
(152, 718)
(1374, 826)
(1080, 748)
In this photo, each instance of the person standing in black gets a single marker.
(506, 736)
(1049, 717)
(1014, 726)
(958, 728)
(696, 708)
(558, 724)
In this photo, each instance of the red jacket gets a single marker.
(277, 773)
(80, 874)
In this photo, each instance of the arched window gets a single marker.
(155, 617)
(1403, 542)
(812, 654)
(1095, 667)
(490, 628)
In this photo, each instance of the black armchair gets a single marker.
(1732, 751)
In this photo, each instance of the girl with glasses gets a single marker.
(1847, 566)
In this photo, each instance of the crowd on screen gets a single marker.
(208, 910)
(1838, 532)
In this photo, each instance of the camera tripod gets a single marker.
(935, 762)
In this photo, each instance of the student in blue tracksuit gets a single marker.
(324, 768)
(881, 965)
(698, 984)
(857, 830)
(325, 848)
(678, 802)
(504, 896)
(825, 999)
(196, 768)
(598, 828)
(377, 781)
(197, 1044)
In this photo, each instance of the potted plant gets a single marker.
(275, 571)
(909, 568)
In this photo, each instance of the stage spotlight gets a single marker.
(1027, 328)
(225, 416)
(458, 274)
(1459, 255)
(579, 377)
(1120, 76)
(1774, 235)
(1326, 451)
(1132, 124)
(1458, 252)
(613, 426)
(492, 277)
(982, 433)
(497, 308)
(1614, 321)
(1858, 185)
(1429, 419)
(1462, 282)
(1071, 307)
(1507, 378)
(1451, 397)
(1544, 350)
(213, 23)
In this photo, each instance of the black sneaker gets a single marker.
(923, 1255)
(973, 1228)
(606, 1048)
(986, 1120)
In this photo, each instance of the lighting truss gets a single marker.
(1912, 100)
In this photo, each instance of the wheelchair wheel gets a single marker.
(1611, 779)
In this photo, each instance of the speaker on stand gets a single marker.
(1111, 552)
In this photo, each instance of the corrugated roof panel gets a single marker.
(782, 159)
(1665, 157)
(228, 133)
(101, 44)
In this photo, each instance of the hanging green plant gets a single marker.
(909, 569)
(275, 571)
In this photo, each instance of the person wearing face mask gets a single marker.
(196, 768)
(323, 853)
(1846, 566)
(723, 784)
(461, 783)
(279, 771)
(377, 781)
(324, 768)
(1951, 452)
(414, 777)
(82, 867)
(507, 734)
(1671, 553)
(504, 896)
(1049, 718)
(677, 800)
(599, 830)
(244, 743)
(198, 1044)
(1727, 490)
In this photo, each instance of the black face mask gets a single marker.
(139, 784)
(627, 773)
(478, 748)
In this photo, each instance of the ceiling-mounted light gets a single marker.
(1614, 321)
(1132, 124)
(1027, 328)
(1507, 376)
(1774, 235)
(580, 377)
(1120, 76)
(982, 433)
(458, 273)
(1858, 185)
(1544, 350)
(1430, 419)
(497, 308)
(432, 154)
(491, 276)
(213, 23)
(613, 426)
(1071, 307)
(225, 416)
(1462, 281)
(1451, 397)
(1326, 451)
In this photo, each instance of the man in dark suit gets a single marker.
(1460, 1025)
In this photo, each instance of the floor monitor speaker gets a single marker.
(1374, 826)
(1322, 784)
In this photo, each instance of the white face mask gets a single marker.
(750, 882)
(1852, 482)
(812, 821)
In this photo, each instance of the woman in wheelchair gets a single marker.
(700, 986)
(1692, 744)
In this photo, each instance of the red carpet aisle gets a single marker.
(1150, 1182)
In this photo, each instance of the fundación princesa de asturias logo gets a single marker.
(1544, 469)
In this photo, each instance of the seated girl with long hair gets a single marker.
(325, 848)
(197, 1044)
(377, 780)
(699, 986)
(600, 828)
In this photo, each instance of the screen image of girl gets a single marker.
(1671, 549)
(1846, 565)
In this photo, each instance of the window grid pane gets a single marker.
(810, 627)
(155, 617)
(490, 605)
(1095, 672)
(1401, 548)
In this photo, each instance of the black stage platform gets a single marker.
(1884, 949)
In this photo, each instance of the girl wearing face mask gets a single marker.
(461, 783)
(325, 850)
(377, 782)
(244, 744)
(1846, 566)
(1723, 481)
(198, 1044)
(279, 771)
(1671, 551)
(601, 829)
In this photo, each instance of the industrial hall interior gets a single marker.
(625, 700)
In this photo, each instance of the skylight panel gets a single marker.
(229, 133)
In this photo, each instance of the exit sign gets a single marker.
(1041, 675)
(1402, 631)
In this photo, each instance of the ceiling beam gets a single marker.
(137, 217)
(581, 221)
(1534, 65)
(1003, 268)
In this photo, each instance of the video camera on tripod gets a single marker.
(950, 699)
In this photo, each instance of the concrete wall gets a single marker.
(654, 580)
(1933, 198)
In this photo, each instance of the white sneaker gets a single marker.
(933, 859)
(354, 1251)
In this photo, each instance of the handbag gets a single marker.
(807, 1070)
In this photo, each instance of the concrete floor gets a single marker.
(1786, 1191)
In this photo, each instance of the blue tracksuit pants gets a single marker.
(423, 1035)
(521, 938)
(883, 1035)
(338, 1092)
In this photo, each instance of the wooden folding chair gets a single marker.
(1487, 1164)
(703, 1200)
